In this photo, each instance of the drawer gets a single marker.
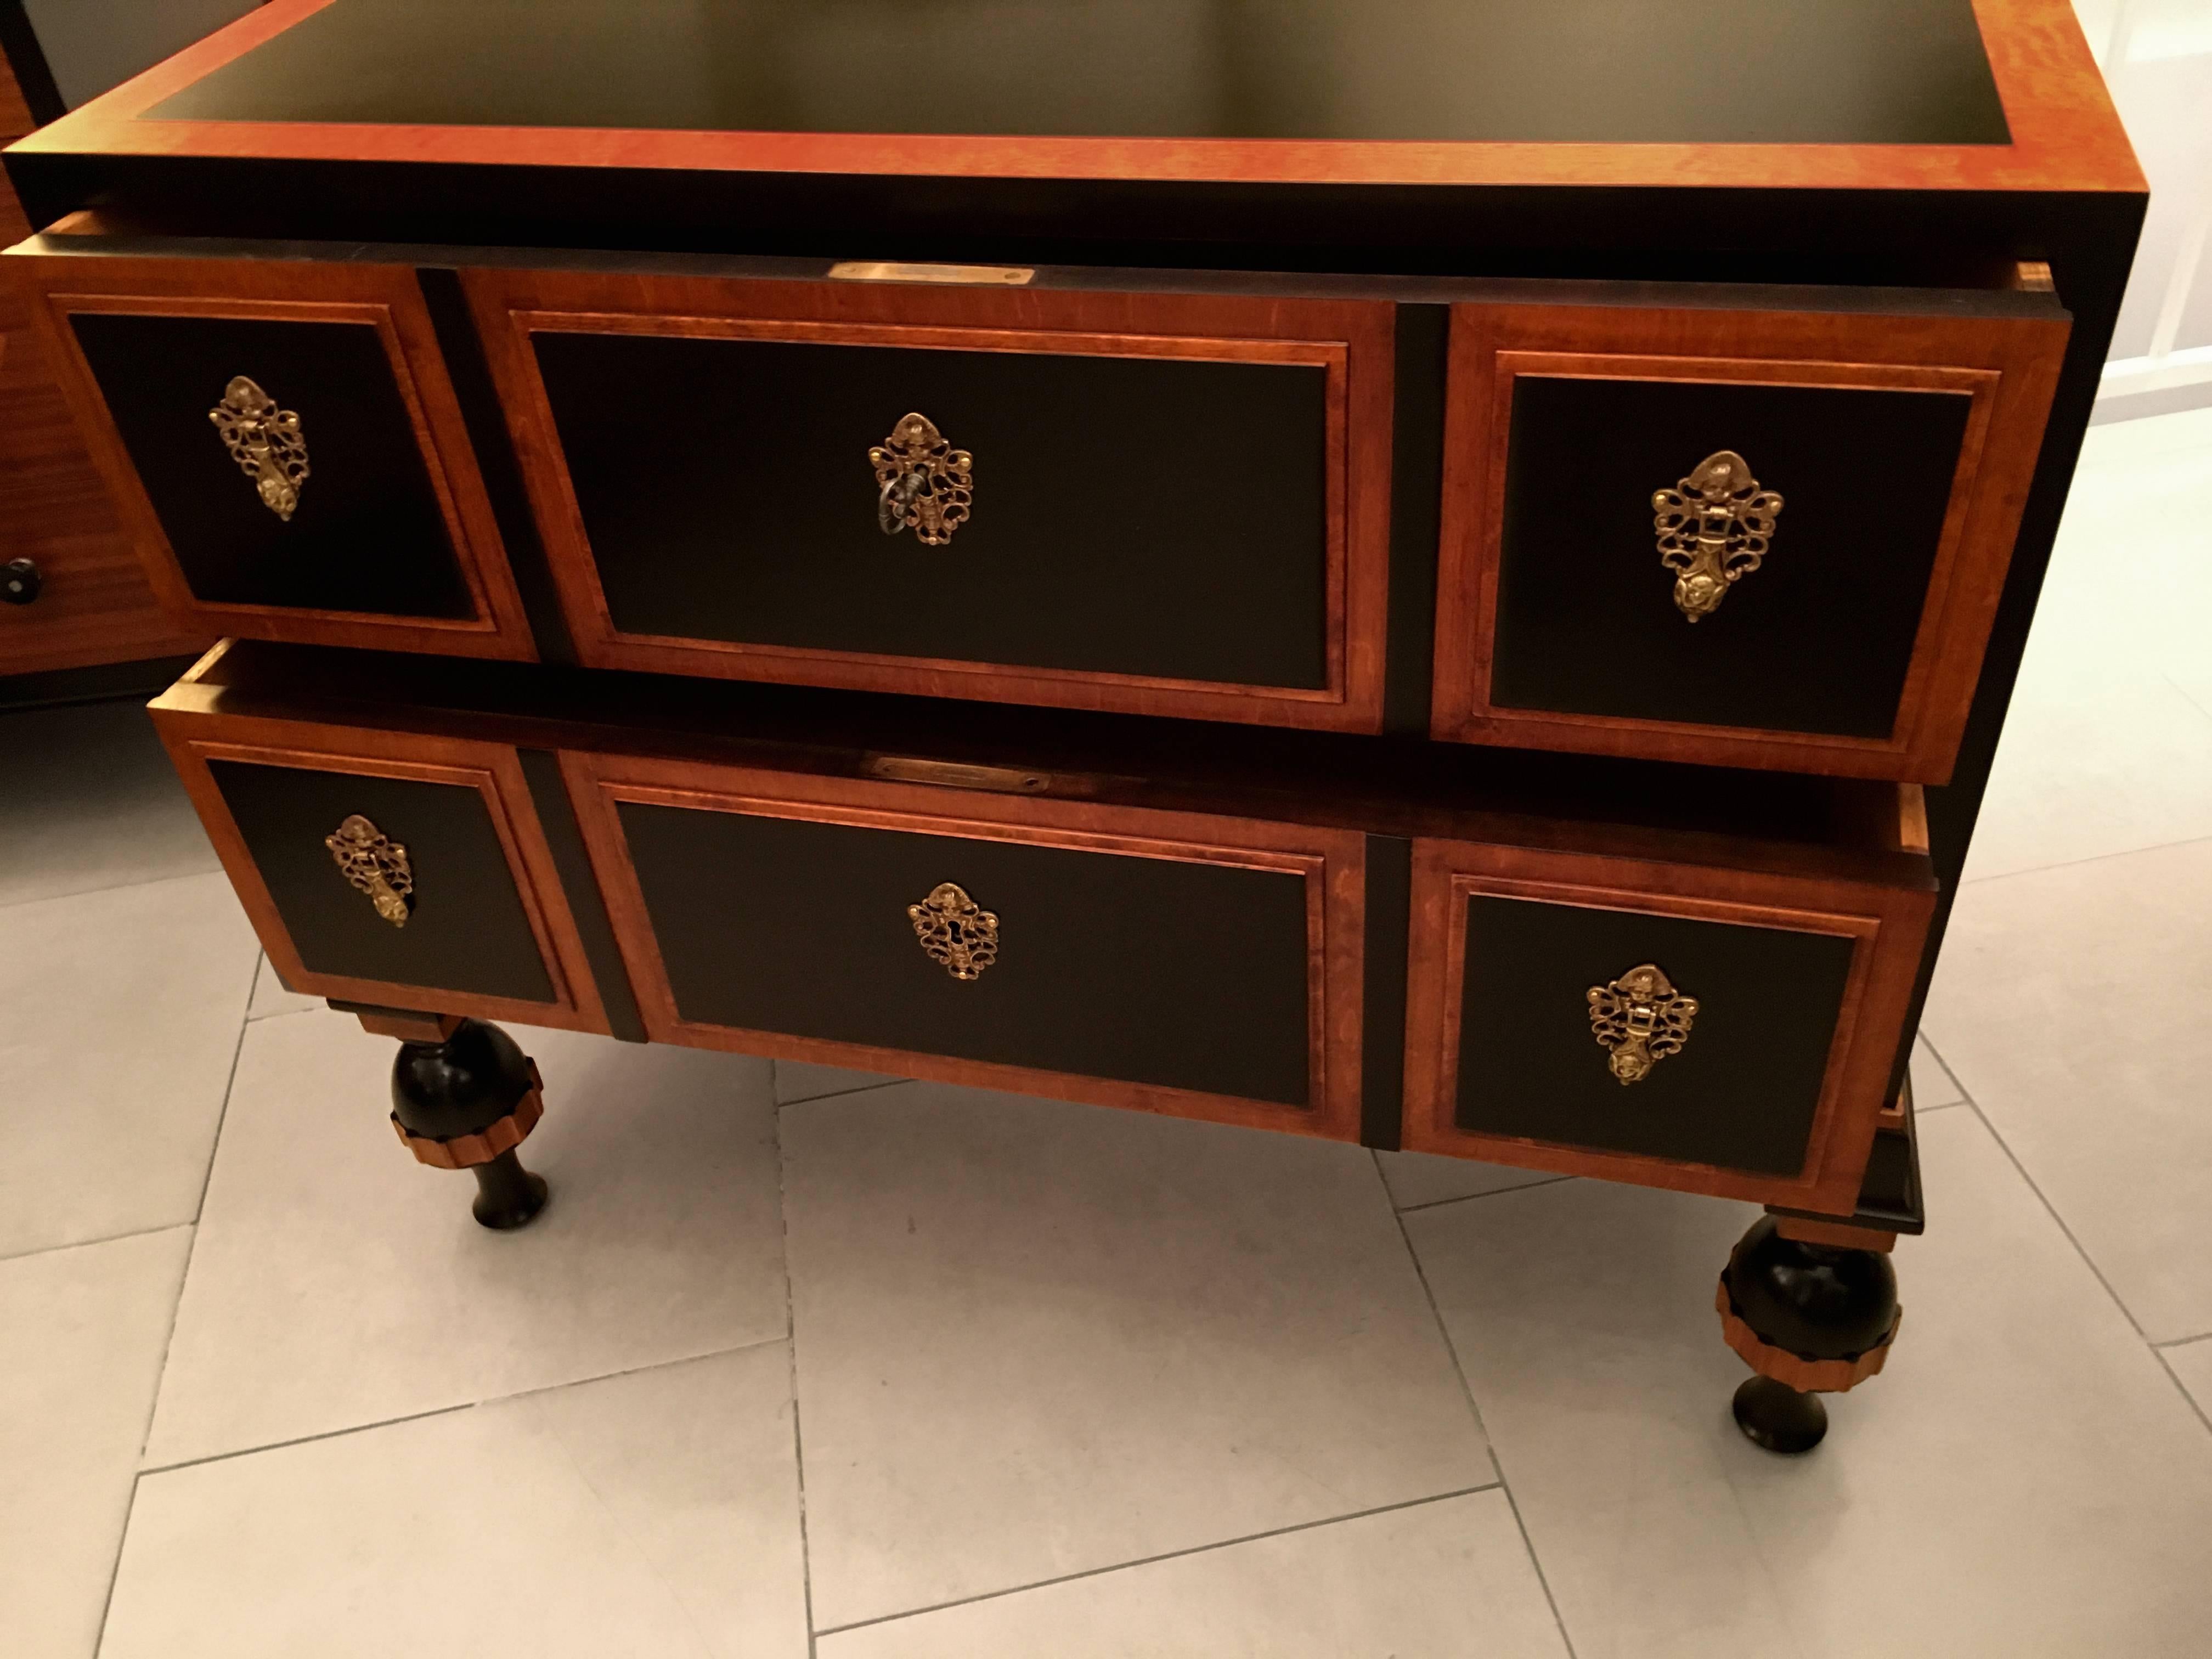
(1172, 961)
(285, 446)
(1169, 504)
(1730, 1031)
(1752, 538)
(385, 867)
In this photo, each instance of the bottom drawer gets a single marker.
(388, 867)
(1206, 966)
(1723, 1030)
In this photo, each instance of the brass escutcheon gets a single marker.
(923, 483)
(1713, 527)
(265, 441)
(1639, 1019)
(377, 866)
(958, 935)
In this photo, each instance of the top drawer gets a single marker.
(1748, 537)
(1153, 503)
(286, 447)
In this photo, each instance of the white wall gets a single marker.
(2157, 59)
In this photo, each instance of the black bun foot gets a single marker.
(1775, 1416)
(507, 1195)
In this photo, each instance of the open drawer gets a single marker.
(1735, 532)
(1204, 966)
(285, 446)
(387, 867)
(1153, 503)
(1723, 1030)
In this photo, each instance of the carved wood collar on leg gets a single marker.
(1810, 1317)
(464, 1097)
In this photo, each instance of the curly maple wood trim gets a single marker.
(466, 1152)
(1805, 1375)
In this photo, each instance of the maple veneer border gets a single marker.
(2065, 136)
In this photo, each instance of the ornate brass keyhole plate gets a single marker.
(265, 441)
(1639, 1019)
(377, 866)
(1714, 529)
(956, 934)
(923, 483)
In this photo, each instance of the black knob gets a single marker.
(19, 581)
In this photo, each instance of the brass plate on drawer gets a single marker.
(955, 932)
(958, 775)
(377, 865)
(1639, 1019)
(265, 441)
(880, 270)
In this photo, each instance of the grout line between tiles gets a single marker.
(791, 1356)
(1165, 1555)
(89, 1243)
(108, 887)
(2182, 1341)
(115, 1570)
(309, 1439)
(839, 1094)
(2076, 864)
(2167, 1366)
(1467, 1388)
(1942, 1066)
(2053, 1213)
(1469, 1198)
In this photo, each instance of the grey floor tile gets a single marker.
(336, 1282)
(1037, 1339)
(82, 1332)
(654, 1514)
(123, 1012)
(271, 997)
(2022, 1479)
(1932, 1085)
(2070, 1003)
(2192, 1363)
(1450, 1579)
(88, 799)
(797, 1080)
(1418, 1178)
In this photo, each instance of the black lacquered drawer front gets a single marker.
(1764, 538)
(1725, 1031)
(393, 869)
(1154, 503)
(286, 447)
(1098, 963)
(1740, 1092)
(1120, 507)
(360, 529)
(460, 923)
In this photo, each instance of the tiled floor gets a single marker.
(804, 1361)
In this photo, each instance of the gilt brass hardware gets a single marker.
(924, 484)
(958, 775)
(958, 935)
(377, 865)
(882, 270)
(1713, 527)
(1639, 1019)
(266, 443)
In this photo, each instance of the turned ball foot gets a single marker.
(1810, 1313)
(464, 1097)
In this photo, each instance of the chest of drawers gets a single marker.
(1460, 612)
